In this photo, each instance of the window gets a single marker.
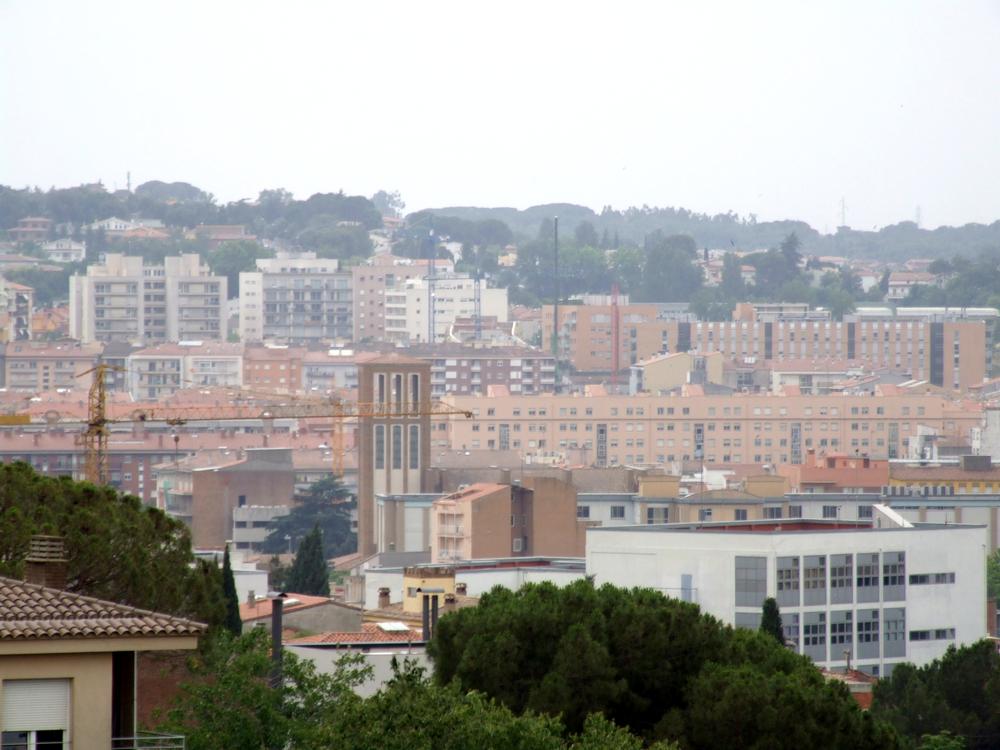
(772, 513)
(814, 635)
(894, 632)
(35, 714)
(864, 512)
(740, 514)
(831, 511)
(705, 514)
(923, 579)
(751, 581)
(747, 620)
(867, 578)
(795, 511)
(841, 633)
(788, 581)
(867, 630)
(894, 576)
(617, 512)
(583, 511)
(939, 634)
(790, 629)
(414, 446)
(841, 579)
(379, 446)
(814, 579)
(397, 446)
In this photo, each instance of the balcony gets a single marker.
(451, 530)
(149, 741)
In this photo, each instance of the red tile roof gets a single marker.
(31, 612)
(371, 632)
(262, 607)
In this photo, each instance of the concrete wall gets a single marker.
(318, 619)
(90, 690)
(380, 660)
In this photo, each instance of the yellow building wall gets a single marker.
(90, 690)
(425, 579)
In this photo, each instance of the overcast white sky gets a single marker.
(773, 108)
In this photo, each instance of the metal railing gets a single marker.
(149, 741)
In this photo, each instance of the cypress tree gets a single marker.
(770, 620)
(233, 622)
(309, 573)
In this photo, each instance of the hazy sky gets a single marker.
(777, 109)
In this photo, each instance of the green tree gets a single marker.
(389, 203)
(586, 235)
(229, 259)
(770, 620)
(641, 659)
(233, 622)
(327, 504)
(790, 247)
(626, 267)
(669, 273)
(118, 548)
(229, 702)
(310, 573)
(993, 575)
(732, 284)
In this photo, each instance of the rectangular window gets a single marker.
(751, 581)
(894, 576)
(414, 446)
(772, 513)
(747, 620)
(868, 632)
(795, 511)
(814, 635)
(583, 511)
(790, 628)
(831, 511)
(617, 512)
(814, 579)
(379, 446)
(740, 514)
(841, 579)
(841, 634)
(867, 578)
(415, 392)
(397, 446)
(788, 581)
(894, 632)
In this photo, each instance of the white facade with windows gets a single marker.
(879, 596)
(408, 307)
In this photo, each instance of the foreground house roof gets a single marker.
(29, 612)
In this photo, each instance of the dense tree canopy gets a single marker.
(652, 664)
(229, 259)
(327, 504)
(310, 573)
(118, 549)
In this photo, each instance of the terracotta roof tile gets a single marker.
(31, 612)
(370, 632)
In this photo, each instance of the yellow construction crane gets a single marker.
(95, 436)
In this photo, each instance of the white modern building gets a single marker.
(408, 307)
(65, 250)
(160, 371)
(876, 594)
(296, 298)
(125, 301)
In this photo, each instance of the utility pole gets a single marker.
(555, 307)
(431, 259)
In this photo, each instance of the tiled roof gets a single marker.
(261, 608)
(370, 632)
(31, 612)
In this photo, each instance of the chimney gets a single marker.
(45, 564)
(383, 597)
(460, 589)
(449, 602)
(251, 597)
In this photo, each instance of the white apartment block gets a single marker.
(296, 298)
(371, 282)
(129, 302)
(408, 307)
(65, 250)
(160, 371)
(875, 595)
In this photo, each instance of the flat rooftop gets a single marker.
(788, 526)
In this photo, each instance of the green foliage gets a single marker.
(958, 693)
(669, 273)
(231, 258)
(233, 622)
(118, 549)
(331, 239)
(51, 287)
(644, 661)
(586, 235)
(993, 575)
(310, 573)
(770, 620)
(389, 203)
(942, 741)
(327, 504)
(229, 703)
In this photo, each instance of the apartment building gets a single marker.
(373, 278)
(31, 229)
(296, 298)
(65, 250)
(875, 594)
(462, 369)
(124, 300)
(17, 303)
(157, 372)
(330, 370)
(949, 347)
(600, 429)
(34, 366)
(409, 306)
(535, 518)
(204, 490)
(273, 368)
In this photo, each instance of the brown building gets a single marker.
(370, 282)
(275, 369)
(394, 444)
(31, 229)
(836, 473)
(485, 521)
(463, 369)
(940, 345)
(37, 366)
(204, 489)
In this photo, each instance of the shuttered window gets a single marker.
(35, 705)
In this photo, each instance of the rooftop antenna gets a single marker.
(128, 181)
(431, 258)
(918, 217)
(843, 212)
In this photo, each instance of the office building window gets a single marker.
(841, 579)
(894, 632)
(788, 581)
(790, 630)
(814, 635)
(894, 576)
(751, 581)
(814, 579)
(841, 634)
(867, 631)
(748, 620)
(867, 577)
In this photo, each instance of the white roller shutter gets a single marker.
(35, 704)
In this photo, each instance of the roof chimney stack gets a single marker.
(45, 564)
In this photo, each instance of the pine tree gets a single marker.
(770, 620)
(233, 622)
(309, 573)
